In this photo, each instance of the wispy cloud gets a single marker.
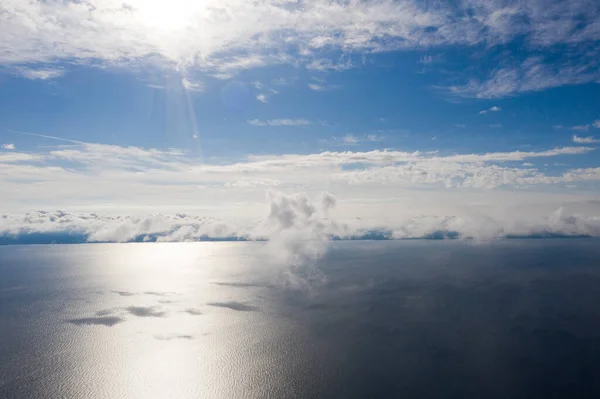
(80, 173)
(492, 109)
(322, 87)
(8, 146)
(582, 128)
(190, 85)
(535, 73)
(279, 122)
(585, 140)
(596, 124)
(41, 73)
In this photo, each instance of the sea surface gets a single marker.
(395, 319)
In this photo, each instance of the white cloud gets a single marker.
(279, 122)
(533, 74)
(322, 87)
(596, 123)
(8, 146)
(426, 59)
(40, 74)
(585, 140)
(262, 98)
(492, 109)
(192, 86)
(295, 226)
(583, 128)
(350, 139)
(222, 37)
(396, 191)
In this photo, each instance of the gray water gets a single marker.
(415, 319)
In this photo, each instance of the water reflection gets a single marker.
(206, 320)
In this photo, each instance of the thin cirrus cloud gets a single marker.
(351, 139)
(279, 122)
(223, 37)
(582, 128)
(322, 87)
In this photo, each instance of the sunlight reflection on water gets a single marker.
(210, 320)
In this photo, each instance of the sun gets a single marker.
(166, 15)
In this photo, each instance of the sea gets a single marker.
(514, 318)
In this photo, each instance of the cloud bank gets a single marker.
(296, 228)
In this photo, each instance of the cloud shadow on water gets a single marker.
(233, 305)
(170, 337)
(123, 293)
(158, 293)
(239, 285)
(145, 311)
(107, 321)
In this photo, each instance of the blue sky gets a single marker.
(421, 106)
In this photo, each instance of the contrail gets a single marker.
(44, 136)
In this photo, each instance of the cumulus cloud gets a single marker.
(262, 98)
(596, 124)
(8, 146)
(585, 140)
(297, 230)
(280, 122)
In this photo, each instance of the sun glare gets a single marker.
(166, 15)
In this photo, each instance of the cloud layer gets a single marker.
(222, 37)
(297, 228)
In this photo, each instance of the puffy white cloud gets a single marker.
(8, 146)
(296, 227)
(596, 124)
(262, 98)
(585, 140)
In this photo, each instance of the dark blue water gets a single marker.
(417, 319)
